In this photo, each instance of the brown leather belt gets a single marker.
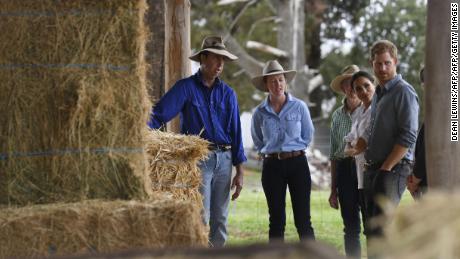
(285, 155)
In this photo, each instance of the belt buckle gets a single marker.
(278, 155)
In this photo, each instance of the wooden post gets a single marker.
(177, 46)
(155, 17)
(442, 155)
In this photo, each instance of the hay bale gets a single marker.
(423, 230)
(99, 226)
(74, 99)
(173, 160)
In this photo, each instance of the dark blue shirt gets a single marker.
(394, 120)
(212, 113)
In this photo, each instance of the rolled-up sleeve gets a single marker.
(307, 124)
(407, 118)
(256, 131)
(333, 140)
(168, 106)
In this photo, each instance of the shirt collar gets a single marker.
(390, 84)
(266, 103)
(199, 78)
(344, 106)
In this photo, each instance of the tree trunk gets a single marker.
(251, 66)
(291, 38)
(177, 46)
(442, 155)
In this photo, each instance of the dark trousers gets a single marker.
(347, 187)
(276, 176)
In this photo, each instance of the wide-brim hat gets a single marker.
(272, 67)
(347, 72)
(215, 45)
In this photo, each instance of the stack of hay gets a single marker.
(426, 229)
(102, 226)
(75, 102)
(173, 164)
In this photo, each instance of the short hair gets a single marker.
(382, 46)
(359, 74)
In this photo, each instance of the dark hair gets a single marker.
(422, 75)
(359, 74)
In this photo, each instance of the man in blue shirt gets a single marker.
(391, 134)
(208, 107)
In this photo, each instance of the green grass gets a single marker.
(248, 217)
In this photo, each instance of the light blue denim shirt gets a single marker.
(394, 120)
(290, 130)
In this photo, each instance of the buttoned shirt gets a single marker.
(358, 129)
(210, 112)
(342, 120)
(290, 130)
(394, 120)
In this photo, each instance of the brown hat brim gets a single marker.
(229, 56)
(258, 81)
(335, 84)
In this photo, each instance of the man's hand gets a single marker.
(333, 200)
(237, 182)
(413, 184)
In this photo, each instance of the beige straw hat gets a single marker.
(346, 72)
(272, 67)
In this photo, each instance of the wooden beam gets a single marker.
(177, 46)
(442, 155)
(156, 49)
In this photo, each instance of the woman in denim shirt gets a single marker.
(281, 130)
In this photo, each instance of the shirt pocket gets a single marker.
(223, 114)
(269, 129)
(293, 126)
(198, 108)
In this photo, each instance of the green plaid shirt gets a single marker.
(340, 126)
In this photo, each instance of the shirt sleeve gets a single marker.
(238, 155)
(168, 106)
(256, 130)
(307, 124)
(334, 145)
(407, 117)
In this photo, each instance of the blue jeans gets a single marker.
(277, 175)
(390, 185)
(347, 187)
(216, 174)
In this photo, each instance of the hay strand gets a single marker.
(173, 160)
(75, 95)
(99, 226)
